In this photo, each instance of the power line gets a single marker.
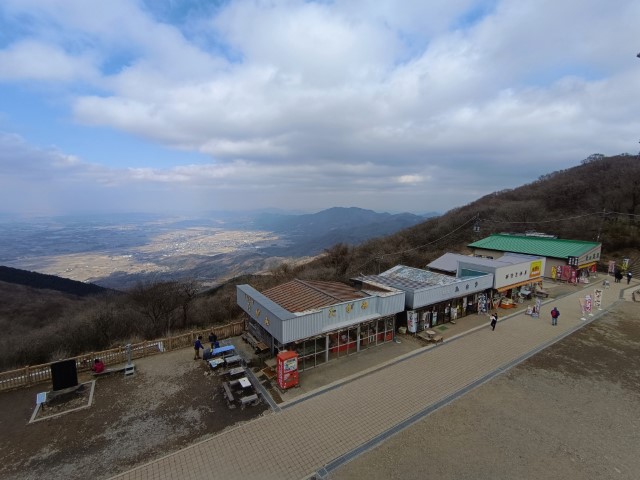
(547, 221)
(380, 257)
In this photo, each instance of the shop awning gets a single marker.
(587, 265)
(519, 284)
(350, 323)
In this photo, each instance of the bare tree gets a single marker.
(158, 302)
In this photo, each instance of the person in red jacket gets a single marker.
(98, 366)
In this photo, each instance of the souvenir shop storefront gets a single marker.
(433, 299)
(582, 256)
(516, 277)
(321, 321)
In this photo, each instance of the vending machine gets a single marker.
(287, 369)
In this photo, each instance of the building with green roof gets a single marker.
(579, 254)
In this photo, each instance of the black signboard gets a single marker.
(573, 261)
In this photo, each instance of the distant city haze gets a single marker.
(120, 251)
(181, 108)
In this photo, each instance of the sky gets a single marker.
(182, 107)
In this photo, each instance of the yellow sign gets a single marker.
(536, 269)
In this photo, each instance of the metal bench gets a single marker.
(249, 400)
(228, 395)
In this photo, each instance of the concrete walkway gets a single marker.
(320, 431)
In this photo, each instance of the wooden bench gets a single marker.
(228, 395)
(108, 371)
(257, 345)
(249, 400)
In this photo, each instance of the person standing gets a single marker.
(494, 321)
(555, 313)
(213, 338)
(629, 275)
(197, 345)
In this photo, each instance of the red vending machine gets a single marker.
(287, 369)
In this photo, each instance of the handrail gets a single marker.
(33, 374)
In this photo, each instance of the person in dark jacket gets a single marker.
(197, 345)
(213, 338)
(555, 313)
(494, 320)
(629, 275)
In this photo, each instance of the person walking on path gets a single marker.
(494, 320)
(629, 275)
(197, 345)
(554, 316)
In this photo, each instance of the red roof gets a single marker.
(302, 295)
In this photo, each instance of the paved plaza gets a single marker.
(315, 433)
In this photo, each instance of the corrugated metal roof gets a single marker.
(416, 277)
(303, 295)
(409, 278)
(449, 261)
(547, 247)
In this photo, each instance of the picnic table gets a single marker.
(232, 359)
(216, 362)
(222, 350)
(431, 336)
(234, 372)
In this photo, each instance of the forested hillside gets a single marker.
(597, 200)
(49, 282)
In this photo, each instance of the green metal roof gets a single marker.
(545, 247)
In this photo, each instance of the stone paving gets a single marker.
(313, 434)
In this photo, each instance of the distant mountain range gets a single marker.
(310, 234)
(160, 248)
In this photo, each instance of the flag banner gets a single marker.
(583, 305)
(597, 297)
(587, 303)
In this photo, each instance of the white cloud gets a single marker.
(344, 96)
(33, 60)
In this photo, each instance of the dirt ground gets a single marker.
(570, 412)
(171, 402)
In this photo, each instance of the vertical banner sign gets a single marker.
(612, 267)
(597, 298)
(625, 264)
(574, 277)
(536, 308)
(587, 304)
(412, 321)
(482, 303)
(554, 272)
(583, 306)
